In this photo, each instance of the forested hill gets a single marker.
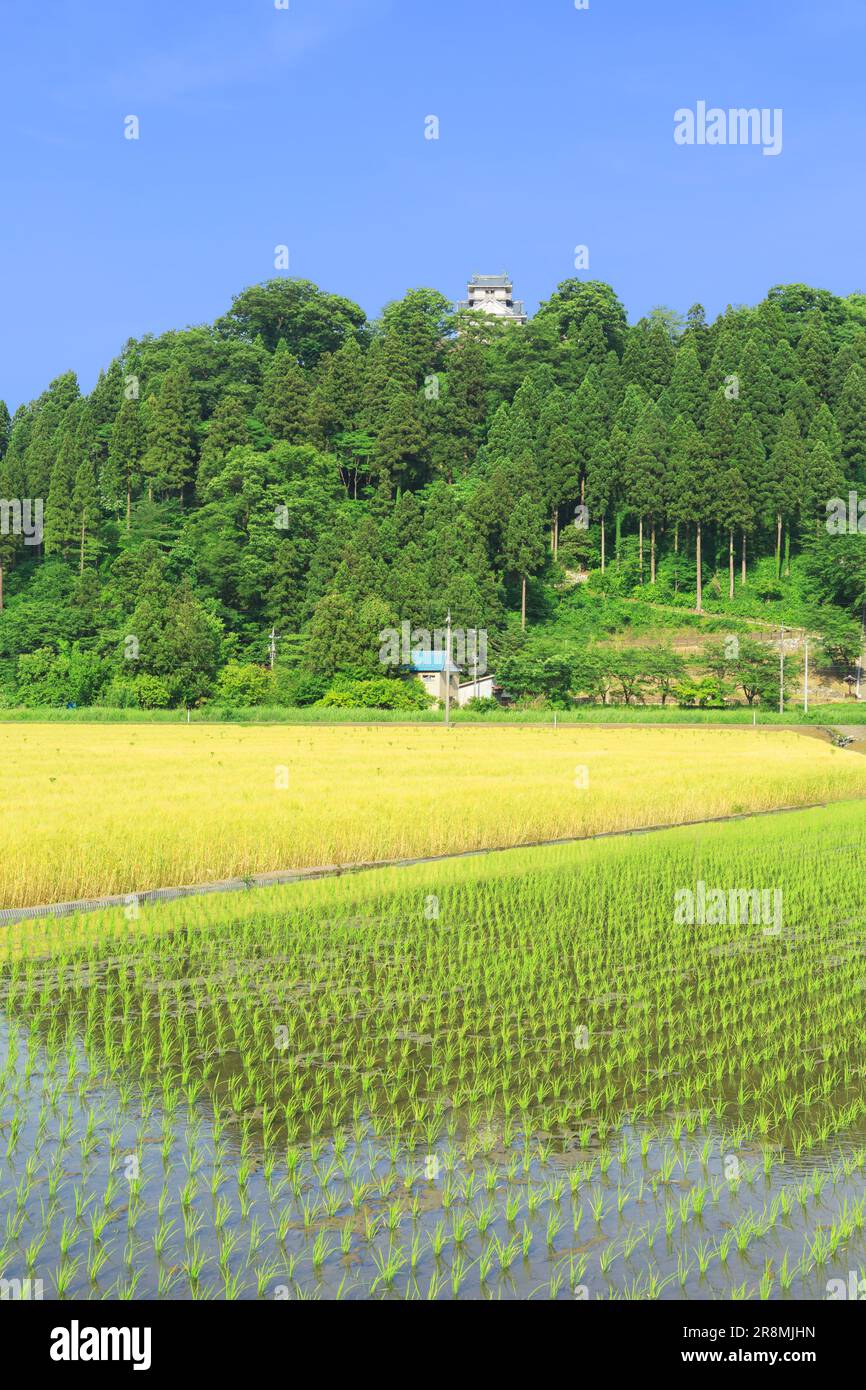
(297, 467)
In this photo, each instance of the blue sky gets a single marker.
(305, 127)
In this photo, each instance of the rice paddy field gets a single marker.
(531, 1075)
(92, 810)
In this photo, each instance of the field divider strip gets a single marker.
(11, 915)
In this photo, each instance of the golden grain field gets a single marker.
(120, 808)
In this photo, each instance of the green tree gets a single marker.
(574, 300)
(647, 461)
(659, 358)
(121, 473)
(823, 480)
(401, 444)
(627, 666)
(743, 494)
(664, 668)
(823, 427)
(337, 399)
(696, 491)
(851, 422)
(179, 640)
(758, 392)
(309, 321)
(227, 428)
(61, 530)
(815, 355)
(10, 543)
(785, 371)
(86, 511)
(688, 393)
(756, 670)
(334, 641)
(170, 455)
(417, 326)
(285, 397)
(734, 513)
(592, 348)
(601, 488)
(524, 545)
(849, 355)
(783, 483)
(560, 469)
(698, 335)
(803, 404)
(241, 684)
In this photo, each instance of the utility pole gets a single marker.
(782, 672)
(448, 672)
(806, 685)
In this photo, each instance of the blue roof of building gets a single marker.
(429, 661)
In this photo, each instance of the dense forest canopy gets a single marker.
(299, 468)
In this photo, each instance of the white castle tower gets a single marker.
(494, 294)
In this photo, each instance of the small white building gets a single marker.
(494, 294)
(481, 689)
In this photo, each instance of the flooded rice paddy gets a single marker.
(474, 1080)
(112, 1193)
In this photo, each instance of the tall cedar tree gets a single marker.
(121, 473)
(168, 462)
(227, 428)
(601, 488)
(851, 423)
(85, 507)
(750, 466)
(60, 521)
(560, 468)
(647, 459)
(696, 491)
(784, 479)
(524, 545)
(285, 397)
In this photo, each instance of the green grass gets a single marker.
(841, 713)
